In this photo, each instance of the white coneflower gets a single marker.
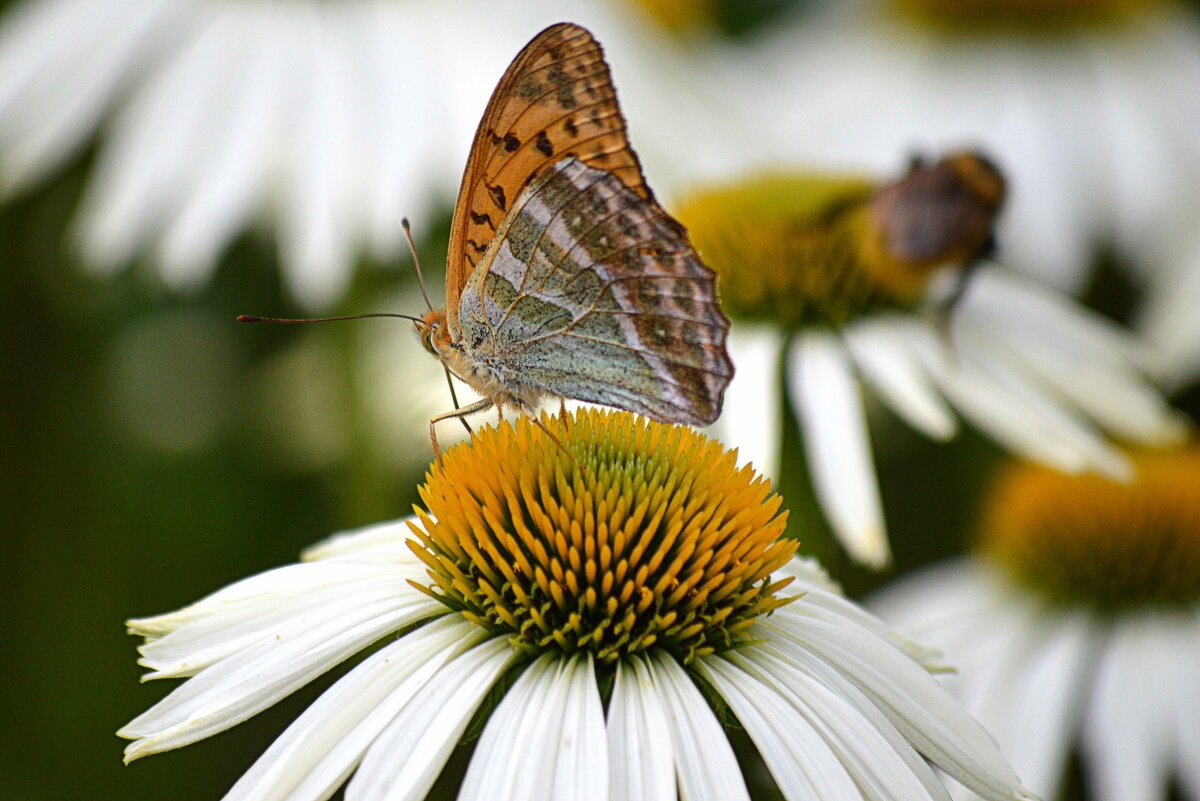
(331, 121)
(815, 271)
(1076, 627)
(611, 583)
(1093, 104)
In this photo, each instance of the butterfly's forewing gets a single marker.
(593, 292)
(555, 99)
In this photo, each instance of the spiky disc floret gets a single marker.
(645, 535)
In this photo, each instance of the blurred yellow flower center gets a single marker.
(679, 16)
(645, 535)
(1035, 16)
(1089, 540)
(801, 249)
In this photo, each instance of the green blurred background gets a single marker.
(145, 465)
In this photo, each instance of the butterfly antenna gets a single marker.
(250, 318)
(417, 264)
(538, 422)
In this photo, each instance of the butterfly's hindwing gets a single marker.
(593, 292)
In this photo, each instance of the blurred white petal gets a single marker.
(1051, 680)
(751, 419)
(826, 399)
(898, 377)
(328, 121)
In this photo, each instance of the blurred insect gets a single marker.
(938, 214)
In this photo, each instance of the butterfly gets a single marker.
(564, 276)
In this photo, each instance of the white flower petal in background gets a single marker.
(754, 351)
(327, 121)
(828, 404)
(1043, 376)
(1076, 626)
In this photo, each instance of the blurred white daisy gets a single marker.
(820, 273)
(1093, 103)
(1076, 628)
(601, 590)
(328, 121)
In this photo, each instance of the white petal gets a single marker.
(405, 760)
(1099, 381)
(312, 758)
(1028, 689)
(799, 759)
(826, 399)
(899, 376)
(150, 154)
(581, 763)
(792, 666)
(1127, 738)
(237, 155)
(1167, 317)
(1003, 399)
(920, 601)
(1185, 644)
(313, 234)
(68, 94)
(639, 737)
(545, 740)
(921, 709)
(249, 612)
(831, 600)
(1046, 312)
(387, 541)
(865, 754)
(751, 420)
(705, 765)
(245, 683)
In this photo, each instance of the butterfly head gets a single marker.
(432, 329)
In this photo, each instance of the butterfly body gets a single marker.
(564, 276)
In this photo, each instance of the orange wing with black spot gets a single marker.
(556, 99)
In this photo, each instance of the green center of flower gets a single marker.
(629, 535)
(1034, 16)
(1092, 541)
(804, 249)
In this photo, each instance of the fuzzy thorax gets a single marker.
(490, 381)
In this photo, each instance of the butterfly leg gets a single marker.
(478, 406)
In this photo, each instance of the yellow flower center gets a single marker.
(801, 250)
(805, 249)
(629, 535)
(1034, 16)
(1089, 540)
(679, 16)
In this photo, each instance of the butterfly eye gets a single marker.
(427, 333)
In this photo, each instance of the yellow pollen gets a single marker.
(1031, 16)
(645, 535)
(1092, 541)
